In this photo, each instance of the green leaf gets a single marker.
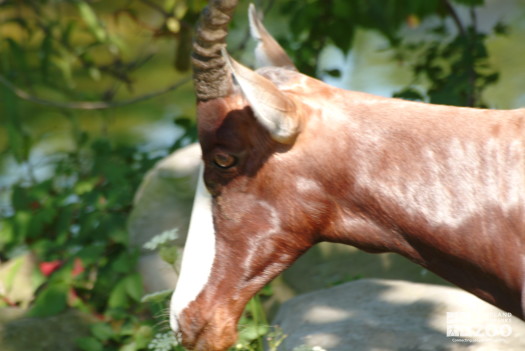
(90, 17)
(19, 55)
(342, 8)
(132, 346)
(85, 186)
(157, 297)
(127, 289)
(123, 262)
(65, 65)
(409, 94)
(133, 284)
(21, 222)
(21, 22)
(102, 331)
(143, 336)
(95, 73)
(342, 38)
(266, 291)
(19, 140)
(46, 51)
(501, 29)
(89, 344)
(118, 298)
(127, 329)
(91, 254)
(169, 254)
(67, 32)
(7, 234)
(470, 2)
(336, 73)
(51, 301)
(20, 198)
(252, 332)
(39, 220)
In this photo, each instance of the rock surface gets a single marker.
(328, 264)
(56, 333)
(165, 197)
(380, 315)
(162, 203)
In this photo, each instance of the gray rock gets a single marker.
(374, 314)
(165, 197)
(56, 333)
(327, 264)
(162, 203)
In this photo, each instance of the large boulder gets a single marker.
(163, 203)
(328, 264)
(374, 314)
(55, 333)
(164, 199)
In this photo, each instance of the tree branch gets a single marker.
(88, 105)
(472, 74)
(455, 17)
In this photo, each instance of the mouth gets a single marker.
(174, 323)
(175, 328)
(199, 331)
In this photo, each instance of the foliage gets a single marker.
(75, 224)
(60, 58)
(458, 69)
(334, 22)
(57, 44)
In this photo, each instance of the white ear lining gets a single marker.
(274, 110)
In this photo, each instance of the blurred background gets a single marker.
(94, 93)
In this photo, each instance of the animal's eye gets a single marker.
(224, 160)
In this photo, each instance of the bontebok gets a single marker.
(290, 161)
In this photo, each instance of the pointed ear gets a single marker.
(267, 52)
(273, 109)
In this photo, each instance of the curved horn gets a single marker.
(273, 109)
(268, 52)
(210, 74)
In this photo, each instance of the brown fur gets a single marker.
(443, 186)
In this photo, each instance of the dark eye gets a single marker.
(224, 160)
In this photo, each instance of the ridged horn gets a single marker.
(210, 74)
(267, 52)
(274, 110)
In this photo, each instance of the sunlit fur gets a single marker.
(443, 186)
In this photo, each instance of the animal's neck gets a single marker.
(437, 197)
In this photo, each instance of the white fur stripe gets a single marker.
(198, 256)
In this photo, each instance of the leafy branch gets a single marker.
(88, 105)
(454, 15)
(455, 69)
(72, 41)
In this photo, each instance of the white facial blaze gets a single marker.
(198, 256)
